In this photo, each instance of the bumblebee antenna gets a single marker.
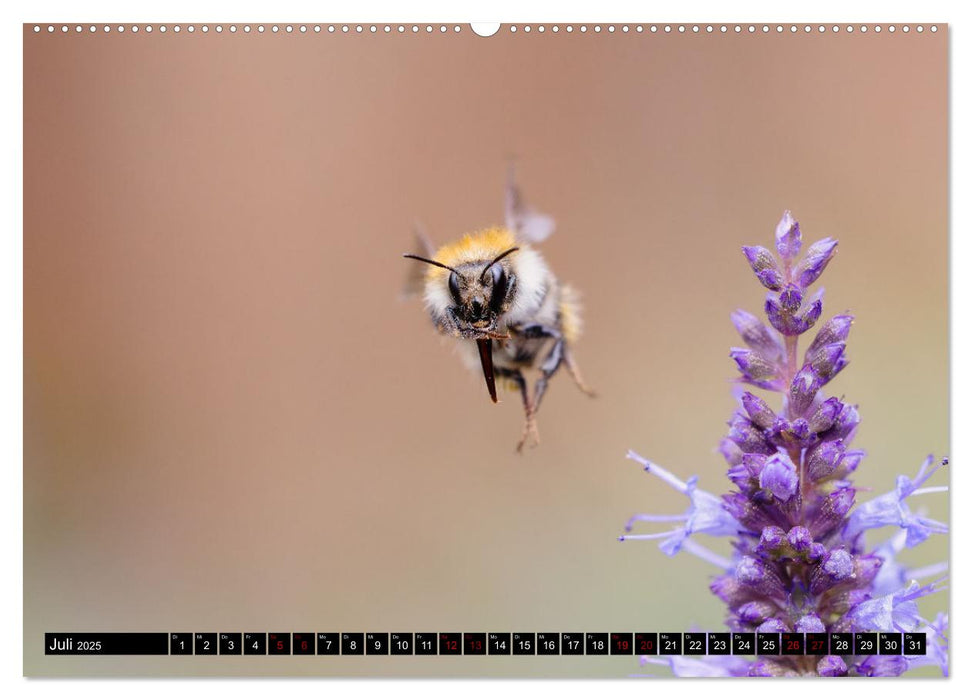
(436, 263)
(495, 260)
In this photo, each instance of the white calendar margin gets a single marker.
(436, 11)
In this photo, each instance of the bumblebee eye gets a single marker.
(499, 288)
(453, 288)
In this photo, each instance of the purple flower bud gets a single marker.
(846, 423)
(747, 436)
(764, 266)
(866, 568)
(835, 330)
(752, 365)
(773, 624)
(754, 463)
(788, 239)
(831, 666)
(790, 298)
(755, 611)
(772, 538)
(829, 360)
(838, 564)
(779, 477)
(761, 669)
(836, 567)
(851, 460)
(800, 539)
(730, 451)
(729, 590)
(832, 510)
(808, 318)
(750, 515)
(762, 579)
(758, 410)
(780, 319)
(803, 390)
(810, 623)
(789, 321)
(757, 335)
(824, 458)
(882, 666)
(815, 261)
(799, 430)
(825, 415)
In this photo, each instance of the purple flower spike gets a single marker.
(799, 559)
(788, 239)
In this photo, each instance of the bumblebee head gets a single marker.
(479, 292)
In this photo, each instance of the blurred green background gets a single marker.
(232, 423)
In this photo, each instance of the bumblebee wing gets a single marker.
(528, 225)
(415, 277)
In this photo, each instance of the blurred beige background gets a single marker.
(232, 423)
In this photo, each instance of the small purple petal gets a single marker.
(788, 239)
(882, 666)
(831, 666)
(817, 551)
(846, 423)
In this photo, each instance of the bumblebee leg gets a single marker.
(529, 430)
(574, 370)
(549, 367)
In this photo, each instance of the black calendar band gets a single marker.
(484, 643)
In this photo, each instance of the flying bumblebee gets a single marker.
(493, 291)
